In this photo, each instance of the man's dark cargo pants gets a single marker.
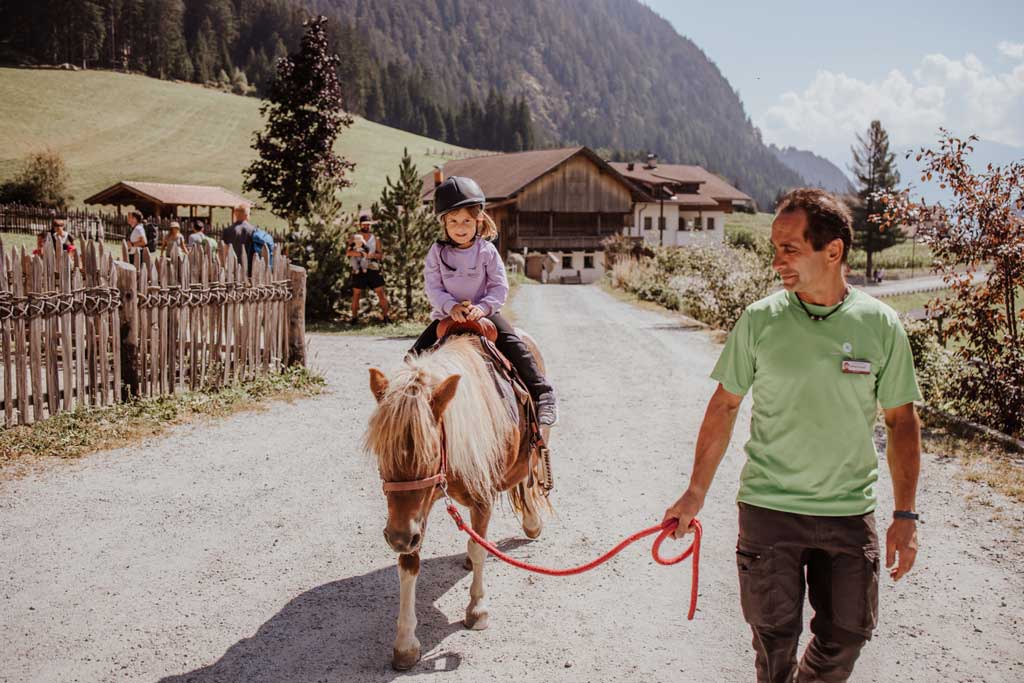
(836, 559)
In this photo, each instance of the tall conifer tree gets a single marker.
(875, 168)
(304, 118)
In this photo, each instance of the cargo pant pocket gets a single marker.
(855, 590)
(759, 596)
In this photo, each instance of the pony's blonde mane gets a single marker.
(404, 436)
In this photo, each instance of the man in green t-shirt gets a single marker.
(819, 358)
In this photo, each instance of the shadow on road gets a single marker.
(343, 630)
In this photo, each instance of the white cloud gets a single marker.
(1011, 50)
(959, 94)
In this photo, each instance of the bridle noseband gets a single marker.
(439, 479)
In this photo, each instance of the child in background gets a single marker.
(360, 264)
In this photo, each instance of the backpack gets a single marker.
(260, 239)
(151, 233)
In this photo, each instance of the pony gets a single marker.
(441, 414)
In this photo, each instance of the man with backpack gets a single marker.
(238, 235)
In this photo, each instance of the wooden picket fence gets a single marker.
(85, 329)
(95, 225)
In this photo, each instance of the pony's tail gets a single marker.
(526, 498)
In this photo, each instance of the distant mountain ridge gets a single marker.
(815, 170)
(610, 74)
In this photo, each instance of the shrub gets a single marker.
(711, 284)
(318, 245)
(42, 181)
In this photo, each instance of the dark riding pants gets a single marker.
(778, 556)
(509, 343)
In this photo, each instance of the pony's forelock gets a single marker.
(403, 433)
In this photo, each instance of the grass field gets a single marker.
(111, 126)
(901, 257)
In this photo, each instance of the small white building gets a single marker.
(687, 204)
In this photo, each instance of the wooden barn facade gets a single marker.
(562, 202)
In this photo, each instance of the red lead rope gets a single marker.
(665, 529)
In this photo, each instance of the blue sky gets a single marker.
(811, 74)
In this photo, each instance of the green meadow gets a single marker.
(110, 126)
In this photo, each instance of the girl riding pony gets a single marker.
(465, 280)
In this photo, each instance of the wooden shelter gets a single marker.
(164, 200)
(560, 201)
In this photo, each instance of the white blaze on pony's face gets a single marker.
(409, 456)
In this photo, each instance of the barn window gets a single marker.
(588, 261)
(647, 222)
(698, 223)
(684, 224)
(711, 223)
(567, 262)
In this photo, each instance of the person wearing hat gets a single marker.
(465, 280)
(371, 277)
(174, 236)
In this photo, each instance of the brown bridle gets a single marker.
(439, 479)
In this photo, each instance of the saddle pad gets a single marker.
(509, 396)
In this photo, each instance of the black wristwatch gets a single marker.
(907, 514)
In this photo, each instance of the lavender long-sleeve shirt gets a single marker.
(478, 276)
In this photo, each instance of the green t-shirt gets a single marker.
(811, 448)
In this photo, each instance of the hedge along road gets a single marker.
(250, 549)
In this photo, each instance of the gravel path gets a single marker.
(250, 549)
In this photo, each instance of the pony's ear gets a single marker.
(443, 394)
(378, 383)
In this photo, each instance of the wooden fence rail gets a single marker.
(86, 329)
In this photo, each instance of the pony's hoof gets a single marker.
(533, 533)
(403, 660)
(478, 621)
(467, 564)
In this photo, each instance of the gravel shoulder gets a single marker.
(250, 549)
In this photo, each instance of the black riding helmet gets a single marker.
(455, 193)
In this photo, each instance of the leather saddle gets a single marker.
(483, 327)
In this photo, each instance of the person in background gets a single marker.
(198, 234)
(137, 236)
(59, 232)
(174, 236)
(239, 234)
(371, 278)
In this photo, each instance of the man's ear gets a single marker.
(443, 394)
(835, 250)
(378, 384)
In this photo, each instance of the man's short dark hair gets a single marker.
(137, 215)
(828, 217)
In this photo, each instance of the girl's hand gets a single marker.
(458, 313)
(474, 313)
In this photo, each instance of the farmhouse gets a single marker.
(686, 205)
(562, 202)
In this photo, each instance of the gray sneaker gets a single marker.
(547, 409)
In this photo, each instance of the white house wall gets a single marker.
(587, 275)
(673, 235)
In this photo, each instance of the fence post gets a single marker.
(297, 316)
(127, 282)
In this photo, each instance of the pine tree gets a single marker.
(407, 230)
(304, 118)
(875, 169)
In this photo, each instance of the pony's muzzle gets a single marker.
(405, 541)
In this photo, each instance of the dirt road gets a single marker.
(250, 549)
